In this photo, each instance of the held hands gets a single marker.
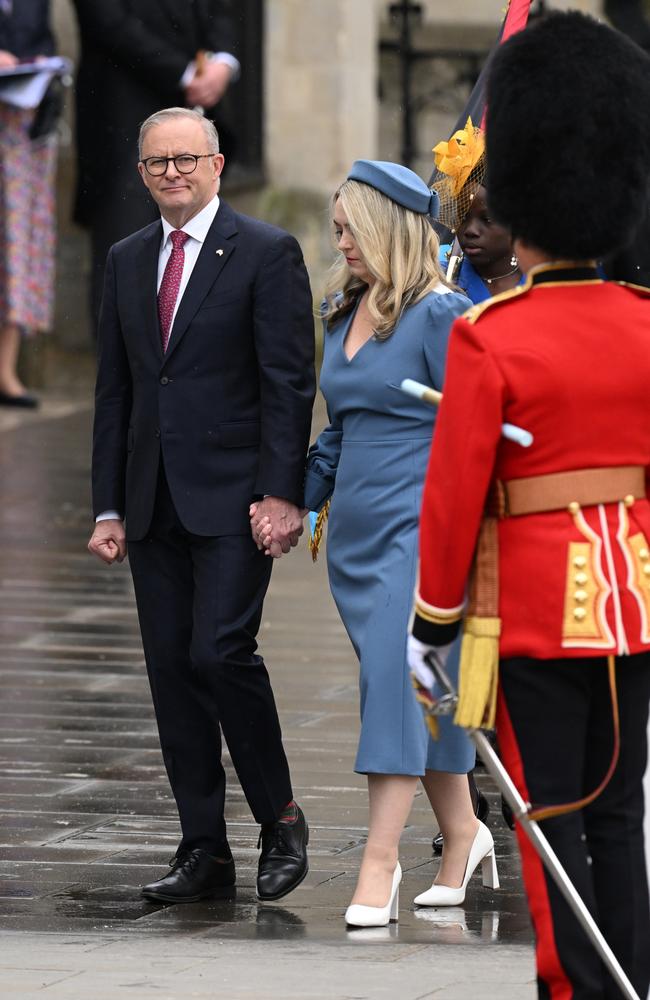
(108, 541)
(276, 525)
(208, 87)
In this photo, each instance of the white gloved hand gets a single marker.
(417, 653)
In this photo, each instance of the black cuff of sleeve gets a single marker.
(432, 634)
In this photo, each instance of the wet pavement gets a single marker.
(86, 816)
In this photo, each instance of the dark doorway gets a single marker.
(246, 96)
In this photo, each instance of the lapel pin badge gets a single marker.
(219, 253)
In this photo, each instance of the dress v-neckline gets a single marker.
(349, 359)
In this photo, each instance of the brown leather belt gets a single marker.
(559, 490)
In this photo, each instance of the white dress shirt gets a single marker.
(197, 229)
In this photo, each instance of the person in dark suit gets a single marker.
(138, 56)
(203, 404)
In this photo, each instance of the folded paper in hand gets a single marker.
(24, 85)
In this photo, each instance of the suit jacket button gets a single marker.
(157, 432)
(164, 380)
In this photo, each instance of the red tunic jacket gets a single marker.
(567, 357)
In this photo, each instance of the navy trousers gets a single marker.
(199, 604)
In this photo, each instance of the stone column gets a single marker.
(320, 90)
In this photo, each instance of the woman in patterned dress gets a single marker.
(27, 170)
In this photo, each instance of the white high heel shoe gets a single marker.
(481, 852)
(358, 915)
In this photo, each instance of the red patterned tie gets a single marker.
(171, 282)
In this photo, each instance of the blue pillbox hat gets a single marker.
(398, 183)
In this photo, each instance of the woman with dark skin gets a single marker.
(489, 266)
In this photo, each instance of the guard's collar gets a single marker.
(555, 271)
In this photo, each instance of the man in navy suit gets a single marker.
(204, 392)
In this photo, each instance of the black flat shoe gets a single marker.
(481, 811)
(283, 862)
(193, 876)
(25, 400)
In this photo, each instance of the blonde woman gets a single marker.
(387, 317)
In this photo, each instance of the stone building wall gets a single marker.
(321, 85)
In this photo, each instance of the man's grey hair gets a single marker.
(160, 117)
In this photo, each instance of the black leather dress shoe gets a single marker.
(193, 876)
(24, 400)
(283, 862)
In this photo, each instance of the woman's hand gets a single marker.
(7, 59)
(262, 531)
(261, 528)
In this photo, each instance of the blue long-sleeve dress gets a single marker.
(371, 460)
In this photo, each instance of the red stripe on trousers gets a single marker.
(549, 966)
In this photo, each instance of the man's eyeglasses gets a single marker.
(185, 163)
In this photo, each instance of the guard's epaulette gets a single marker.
(474, 312)
(642, 290)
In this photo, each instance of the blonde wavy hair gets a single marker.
(400, 249)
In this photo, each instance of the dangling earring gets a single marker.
(513, 261)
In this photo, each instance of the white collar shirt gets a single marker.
(197, 229)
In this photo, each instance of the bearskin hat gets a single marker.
(568, 136)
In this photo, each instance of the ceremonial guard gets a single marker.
(543, 552)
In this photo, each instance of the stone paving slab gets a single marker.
(71, 967)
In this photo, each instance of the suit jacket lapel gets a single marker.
(216, 250)
(146, 275)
